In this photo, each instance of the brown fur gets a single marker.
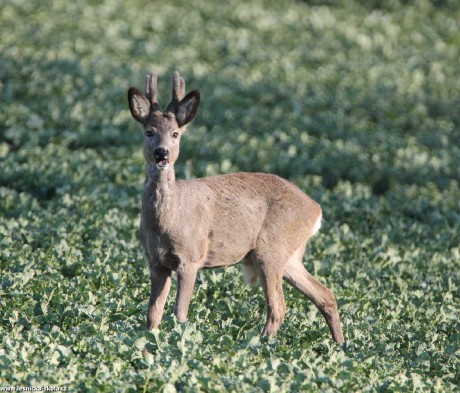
(187, 225)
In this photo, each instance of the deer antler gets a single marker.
(178, 91)
(151, 90)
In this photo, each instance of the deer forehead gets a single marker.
(161, 122)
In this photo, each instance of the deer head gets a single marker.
(163, 129)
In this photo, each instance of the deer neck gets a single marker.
(159, 193)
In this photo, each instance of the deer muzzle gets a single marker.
(161, 158)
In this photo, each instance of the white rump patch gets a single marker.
(317, 225)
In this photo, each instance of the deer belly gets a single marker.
(229, 244)
(225, 254)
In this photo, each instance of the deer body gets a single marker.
(187, 225)
(189, 216)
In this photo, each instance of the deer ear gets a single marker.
(138, 105)
(187, 107)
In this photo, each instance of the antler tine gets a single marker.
(151, 88)
(178, 91)
(176, 86)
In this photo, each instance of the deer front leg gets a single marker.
(186, 276)
(160, 283)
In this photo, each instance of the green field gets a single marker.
(358, 103)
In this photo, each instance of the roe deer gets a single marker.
(187, 225)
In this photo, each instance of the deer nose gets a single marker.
(160, 153)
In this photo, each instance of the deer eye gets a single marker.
(175, 135)
(148, 134)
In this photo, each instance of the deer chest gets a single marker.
(159, 250)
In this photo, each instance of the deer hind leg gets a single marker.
(270, 272)
(322, 297)
(276, 306)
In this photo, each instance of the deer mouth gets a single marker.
(161, 157)
(162, 163)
